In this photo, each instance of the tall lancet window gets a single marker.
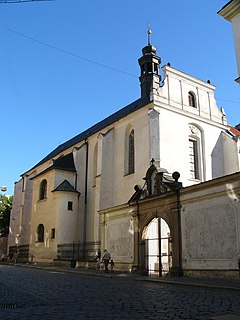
(95, 159)
(195, 153)
(193, 158)
(131, 151)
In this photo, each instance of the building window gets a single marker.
(131, 151)
(192, 99)
(43, 190)
(40, 233)
(70, 205)
(95, 159)
(53, 233)
(193, 158)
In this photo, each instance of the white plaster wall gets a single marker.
(211, 229)
(225, 156)
(115, 186)
(154, 137)
(174, 94)
(174, 147)
(108, 172)
(87, 213)
(124, 184)
(65, 219)
(80, 164)
(119, 239)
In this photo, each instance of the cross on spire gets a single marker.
(149, 34)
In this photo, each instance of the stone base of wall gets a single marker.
(86, 264)
(78, 251)
(212, 273)
(19, 253)
(119, 267)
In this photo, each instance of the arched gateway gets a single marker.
(157, 212)
(158, 248)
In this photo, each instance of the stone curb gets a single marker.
(85, 272)
(190, 284)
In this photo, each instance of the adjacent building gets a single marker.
(231, 12)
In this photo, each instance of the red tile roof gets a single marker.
(235, 131)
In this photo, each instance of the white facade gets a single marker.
(177, 123)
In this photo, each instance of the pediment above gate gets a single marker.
(157, 181)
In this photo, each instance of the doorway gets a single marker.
(157, 248)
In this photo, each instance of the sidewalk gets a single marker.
(217, 283)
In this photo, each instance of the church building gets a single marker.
(80, 198)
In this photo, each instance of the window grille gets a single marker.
(193, 158)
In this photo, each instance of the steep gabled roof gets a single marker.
(95, 128)
(65, 186)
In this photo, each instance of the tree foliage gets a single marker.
(5, 210)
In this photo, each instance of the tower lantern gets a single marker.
(149, 66)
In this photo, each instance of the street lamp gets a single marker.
(3, 188)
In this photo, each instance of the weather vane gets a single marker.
(149, 34)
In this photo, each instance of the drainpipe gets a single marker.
(239, 267)
(180, 271)
(85, 204)
(138, 236)
(159, 247)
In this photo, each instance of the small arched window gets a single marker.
(192, 100)
(43, 190)
(131, 156)
(40, 233)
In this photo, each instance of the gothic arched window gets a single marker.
(40, 233)
(95, 160)
(195, 152)
(131, 152)
(192, 99)
(194, 159)
(43, 190)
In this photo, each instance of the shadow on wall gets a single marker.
(224, 156)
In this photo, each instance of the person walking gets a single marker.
(105, 259)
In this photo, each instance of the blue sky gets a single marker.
(67, 64)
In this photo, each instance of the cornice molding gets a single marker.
(230, 10)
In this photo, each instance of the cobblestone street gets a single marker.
(28, 293)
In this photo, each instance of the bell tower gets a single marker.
(149, 66)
